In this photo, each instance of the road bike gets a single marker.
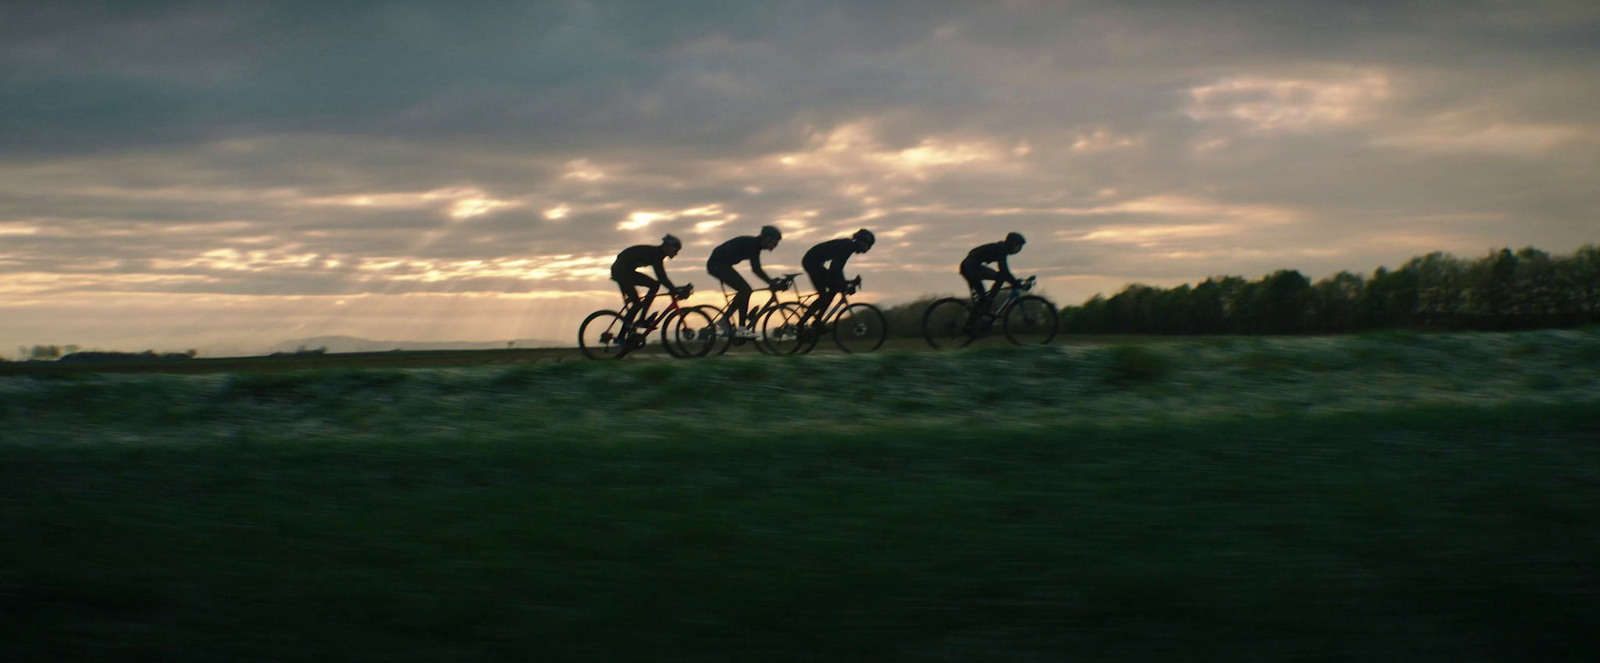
(724, 328)
(954, 322)
(604, 334)
(855, 327)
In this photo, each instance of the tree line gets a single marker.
(1504, 290)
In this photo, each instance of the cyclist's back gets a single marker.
(975, 267)
(733, 252)
(824, 263)
(624, 270)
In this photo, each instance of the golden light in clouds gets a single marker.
(854, 150)
(581, 169)
(637, 220)
(1290, 103)
(456, 203)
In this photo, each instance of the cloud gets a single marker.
(1267, 103)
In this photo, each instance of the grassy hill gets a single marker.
(1384, 497)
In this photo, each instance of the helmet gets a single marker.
(1015, 238)
(865, 238)
(671, 241)
(770, 232)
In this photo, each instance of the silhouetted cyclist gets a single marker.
(824, 263)
(733, 252)
(975, 268)
(625, 272)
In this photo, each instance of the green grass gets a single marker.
(1258, 501)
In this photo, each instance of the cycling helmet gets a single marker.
(865, 238)
(671, 241)
(1015, 238)
(770, 232)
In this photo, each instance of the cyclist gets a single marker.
(824, 263)
(733, 252)
(625, 272)
(975, 268)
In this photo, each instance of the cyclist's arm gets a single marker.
(836, 274)
(661, 273)
(1005, 273)
(755, 267)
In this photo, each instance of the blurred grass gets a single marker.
(1266, 499)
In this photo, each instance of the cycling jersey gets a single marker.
(824, 263)
(635, 257)
(737, 250)
(975, 270)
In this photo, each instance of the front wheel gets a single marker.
(780, 329)
(688, 333)
(601, 336)
(1032, 320)
(721, 335)
(946, 324)
(860, 328)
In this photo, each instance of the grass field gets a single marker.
(1384, 497)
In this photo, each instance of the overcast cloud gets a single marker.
(227, 175)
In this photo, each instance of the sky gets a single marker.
(227, 175)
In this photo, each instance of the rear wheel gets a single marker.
(780, 329)
(688, 333)
(945, 323)
(601, 336)
(860, 328)
(1031, 321)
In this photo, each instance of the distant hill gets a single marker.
(336, 344)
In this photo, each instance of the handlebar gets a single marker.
(683, 291)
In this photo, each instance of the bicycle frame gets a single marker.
(725, 314)
(654, 322)
(1005, 298)
(839, 304)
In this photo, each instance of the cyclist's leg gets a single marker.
(630, 298)
(975, 276)
(823, 281)
(641, 303)
(741, 296)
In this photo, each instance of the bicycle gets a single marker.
(603, 334)
(854, 327)
(724, 317)
(954, 322)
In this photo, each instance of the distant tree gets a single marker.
(1336, 302)
(1391, 299)
(1580, 277)
(1490, 294)
(1281, 303)
(44, 352)
(1534, 296)
(1207, 308)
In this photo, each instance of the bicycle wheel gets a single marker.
(756, 315)
(688, 333)
(1032, 320)
(601, 336)
(945, 323)
(860, 328)
(721, 339)
(780, 329)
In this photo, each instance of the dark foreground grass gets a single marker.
(1462, 534)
